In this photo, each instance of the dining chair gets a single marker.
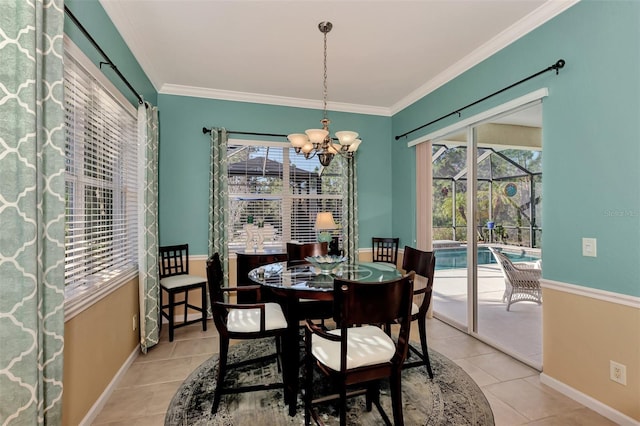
(298, 251)
(423, 263)
(358, 351)
(175, 279)
(241, 321)
(309, 309)
(385, 249)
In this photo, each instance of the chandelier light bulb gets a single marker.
(316, 135)
(298, 140)
(346, 137)
(354, 146)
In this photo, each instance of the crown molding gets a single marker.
(544, 13)
(228, 95)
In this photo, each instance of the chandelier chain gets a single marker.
(325, 77)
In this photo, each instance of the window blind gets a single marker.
(100, 182)
(271, 186)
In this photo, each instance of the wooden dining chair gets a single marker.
(385, 249)
(298, 251)
(358, 352)
(423, 263)
(175, 280)
(241, 321)
(296, 254)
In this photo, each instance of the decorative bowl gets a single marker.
(325, 263)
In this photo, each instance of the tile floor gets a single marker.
(513, 389)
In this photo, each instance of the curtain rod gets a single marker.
(275, 135)
(559, 64)
(104, 55)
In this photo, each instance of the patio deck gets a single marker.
(517, 332)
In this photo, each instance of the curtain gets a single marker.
(148, 225)
(218, 199)
(32, 206)
(424, 206)
(350, 210)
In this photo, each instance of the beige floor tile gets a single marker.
(502, 366)
(503, 414)
(138, 402)
(124, 404)
(579, 417)
(481, 377)
(162, 350)
(154, 420)
(202, 346)
(193, 331)
(460, 346)
(530, 400)
(161, 371)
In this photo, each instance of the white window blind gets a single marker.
(100, 181)
(270, 184)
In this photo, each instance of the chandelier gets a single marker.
(318, 141)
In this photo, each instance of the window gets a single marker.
(100, 180)
(272, 186)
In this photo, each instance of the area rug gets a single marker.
(451, 398)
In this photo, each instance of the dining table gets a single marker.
(293, 281)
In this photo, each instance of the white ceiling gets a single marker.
(382, 55)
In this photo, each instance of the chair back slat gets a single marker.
(174, 260)
(385, 249)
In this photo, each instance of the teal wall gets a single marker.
(184, 160)
(591, 138)
(590, 135)
(97, 23)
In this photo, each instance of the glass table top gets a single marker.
(305, 277)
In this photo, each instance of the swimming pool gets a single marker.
(453, 258)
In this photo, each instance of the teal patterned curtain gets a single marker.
(32, 206)
(148, 222)
(350, 210)
(218, 203)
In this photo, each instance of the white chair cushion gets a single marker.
(181, 280)
(248, 320)
(367, 345)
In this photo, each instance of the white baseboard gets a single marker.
(590, 402)
(102, 401)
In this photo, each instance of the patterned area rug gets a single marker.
(451, 398)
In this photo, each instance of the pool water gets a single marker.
(455, 258)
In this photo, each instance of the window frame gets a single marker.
(286, 198)
(80, 298)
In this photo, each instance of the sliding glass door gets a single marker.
(487, 195)
(450, 215)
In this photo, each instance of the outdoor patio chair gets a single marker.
(522, 282)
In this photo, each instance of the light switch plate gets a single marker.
(589, 247)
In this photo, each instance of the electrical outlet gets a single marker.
(618, 372)
(134, 320)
